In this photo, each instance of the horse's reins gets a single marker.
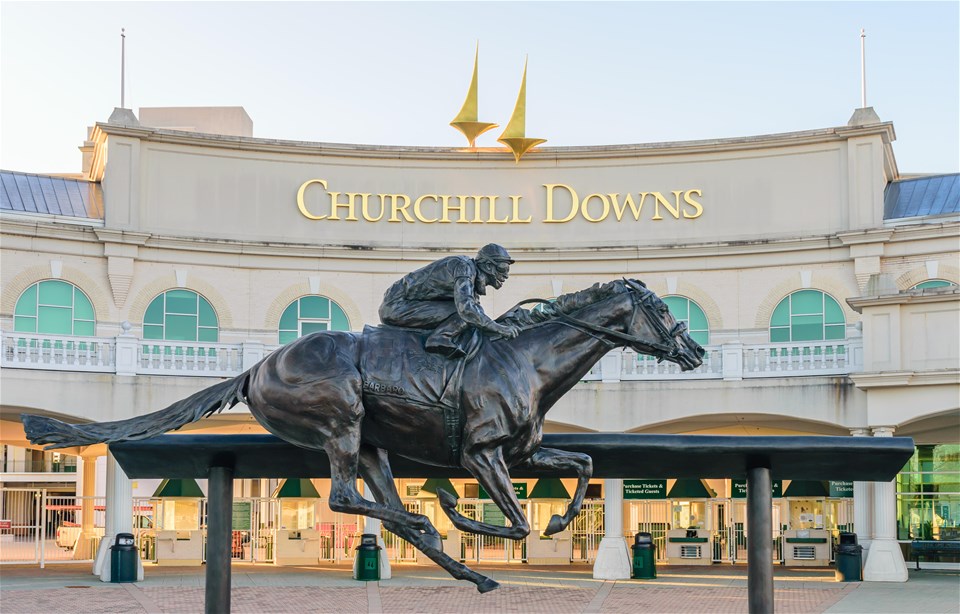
(660, 350)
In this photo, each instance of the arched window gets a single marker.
(685, 310)
(933, 283)
(54, 307)
(309, 314)
(807, 315)
(181, 315)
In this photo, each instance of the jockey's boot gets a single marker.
(444, 339)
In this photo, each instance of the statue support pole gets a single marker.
(219, 529)
(759, 541)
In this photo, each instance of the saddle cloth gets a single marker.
(394, 364)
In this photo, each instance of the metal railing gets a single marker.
(37, 466)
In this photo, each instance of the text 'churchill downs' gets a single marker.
(562, 204)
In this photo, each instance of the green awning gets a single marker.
(296, 489)
(807, 488)
(179, 488)
(690, 488)
(432, 484)
(549, 488)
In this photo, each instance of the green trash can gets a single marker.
(123, 559)
(849, 558)
(644, 562)
(367, 565)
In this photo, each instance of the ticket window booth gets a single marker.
(430, 507)
(806, 540)
(179, 537)
(688, 543)
(298, 540)
(549, 497)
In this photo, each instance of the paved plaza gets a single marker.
(263, 589)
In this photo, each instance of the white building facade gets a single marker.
(822, 284)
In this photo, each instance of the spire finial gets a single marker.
(515, 134)
(466, 120)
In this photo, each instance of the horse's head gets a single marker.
(657, 332)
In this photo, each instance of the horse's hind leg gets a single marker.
(343, 452)
(375, 469)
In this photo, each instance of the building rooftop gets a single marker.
(51, 195)
(922, 196)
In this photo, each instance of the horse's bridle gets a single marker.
(643, 300)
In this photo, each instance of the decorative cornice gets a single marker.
(930, 295)
(865, 236)
(544, 154)
(887, 379)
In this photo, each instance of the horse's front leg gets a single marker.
(491, 471)
(563, 461)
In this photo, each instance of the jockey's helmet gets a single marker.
(494, 254)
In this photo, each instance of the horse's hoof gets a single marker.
(447, 500)
(487, 585)
(555, 525)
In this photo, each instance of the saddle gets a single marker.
(394, 363)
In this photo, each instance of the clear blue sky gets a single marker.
(396, 73)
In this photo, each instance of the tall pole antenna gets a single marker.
(863, 69)
(123, 58)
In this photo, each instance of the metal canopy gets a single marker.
(615, 455)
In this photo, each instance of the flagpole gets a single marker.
(123, 54)
(863, 70)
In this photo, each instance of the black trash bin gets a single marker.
(367, 565)
(123, 559)
(849, 555)
(644, 561)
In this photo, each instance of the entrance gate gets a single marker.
(38, 527)
(21, 509)
(484, 548)
(586, 531)
(651, 517)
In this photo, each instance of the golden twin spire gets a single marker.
(514, 135)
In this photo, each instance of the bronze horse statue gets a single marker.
(314, 393)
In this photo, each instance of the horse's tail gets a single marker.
(42, 430)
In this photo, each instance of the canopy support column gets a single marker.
(759, 541)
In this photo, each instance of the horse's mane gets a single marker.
(575, 301)
(569, 303)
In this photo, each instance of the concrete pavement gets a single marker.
(262, 589)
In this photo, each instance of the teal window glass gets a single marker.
(181, 315)
(54, 307)
(310, 314)
(933, 283)
(928, 494)
(807, 315)
(685, 310)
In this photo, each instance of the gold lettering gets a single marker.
(627, 202)
(492, 218)
(302, 206)
(395, 208)
(585, 211)
(674, 211)
(349, 206)
(366, 211)
(416, 208)
(478, 208)
(515, 219)
(688, 200)
(447, 208)
(575, 203)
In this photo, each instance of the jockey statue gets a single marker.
(445, 296)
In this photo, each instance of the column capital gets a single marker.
(883, 431)
(860, 432)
